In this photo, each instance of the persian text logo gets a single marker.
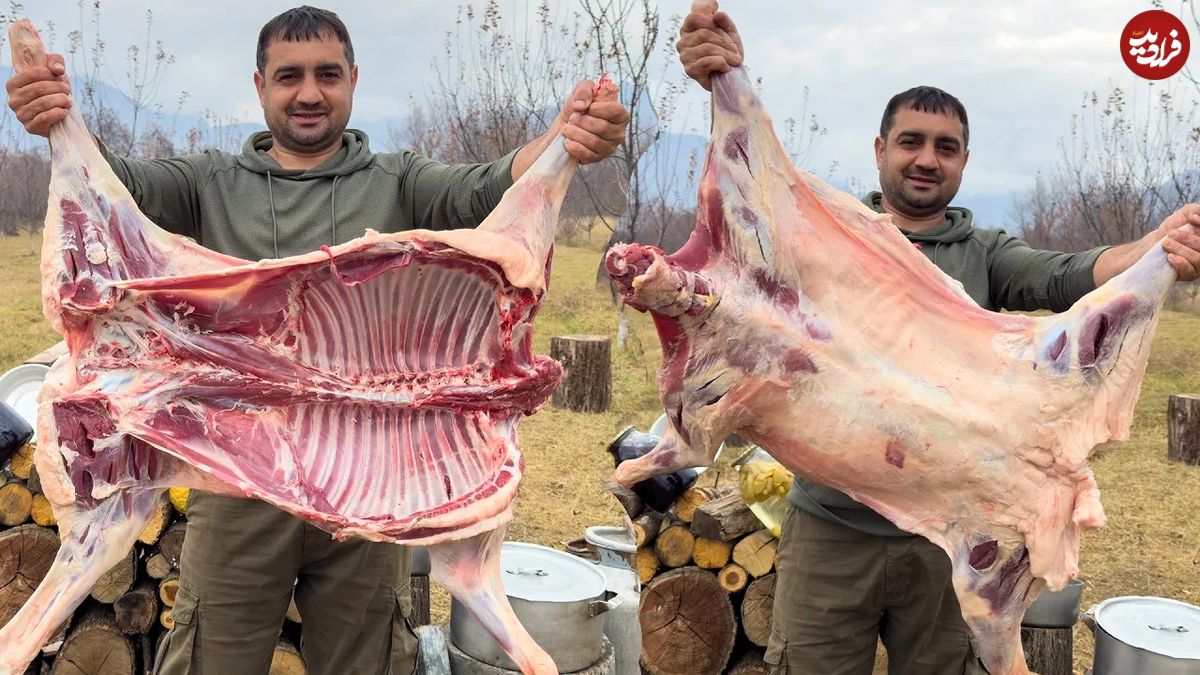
(1155, 44)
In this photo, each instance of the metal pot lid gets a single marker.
(19, 389)
(613, 538)
(540, 574)
(1158, 625)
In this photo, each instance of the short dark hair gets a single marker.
(303, 23)
(924, 99)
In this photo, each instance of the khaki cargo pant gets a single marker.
(239, 561)
(839, 591)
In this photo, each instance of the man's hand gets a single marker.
(40, 95)
(708, 43)
(1183, 248)
(592, 129)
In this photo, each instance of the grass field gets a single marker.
(1151, 545)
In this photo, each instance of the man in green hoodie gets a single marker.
(848, 577)
(307, 182)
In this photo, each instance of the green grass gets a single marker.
(1151, 544)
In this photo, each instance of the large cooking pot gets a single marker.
(1146, 636)
(558, 597)
(1055, 609)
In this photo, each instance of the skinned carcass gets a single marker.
(373, 388)
(798, 318)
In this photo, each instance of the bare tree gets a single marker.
(24, 182)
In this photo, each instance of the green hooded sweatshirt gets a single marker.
(998, 271)
(247, 206)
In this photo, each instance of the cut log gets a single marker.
(179, 498)
(733, 578)
(645, 527)
(727, 517)
(54, 644)
(756, 553)
(420, 600)
(587, 372)
(1049, 651)
(170, 544)
(157, 566)
(116, 581)
(750, 663)
(756, 609)
(137, 610)
(646, 563)
(692, 499)
(293, 611)
(21, 463)
(629, 500)
(687, 622)
(1183, 428)
(674, 546)
(711, 554)
(26, 552)
(15, 502)
(95, 647)
(160, 518)
(287, 660)
(41, 511)
(34, 482)
(167, 588)
(166, 619)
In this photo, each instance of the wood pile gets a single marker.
(708, 572)
(117, 629)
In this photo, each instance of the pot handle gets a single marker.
(598, 607)
(1088, 618)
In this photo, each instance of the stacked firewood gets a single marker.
(118, 628)
(707, 567)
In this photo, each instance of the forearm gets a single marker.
(528, 154)
(1120, 258)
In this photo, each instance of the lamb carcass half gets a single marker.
(800, 319)
(372, 388)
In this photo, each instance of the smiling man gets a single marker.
(306, 182)
(848, 577)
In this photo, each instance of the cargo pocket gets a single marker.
(404, 636)
(177, 653)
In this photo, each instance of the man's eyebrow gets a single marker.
(333, 65)
(949, 139)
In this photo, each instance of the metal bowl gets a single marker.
(1055, 609)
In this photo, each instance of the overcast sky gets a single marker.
(1021, 67)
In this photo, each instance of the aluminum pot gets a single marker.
(1055, 609)
(558, 597)
(1146, 636)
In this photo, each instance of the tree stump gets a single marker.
(756, 553)
(286, 660)
(1049, 651)
(1183, 428)
(756, 609)
(687, 621)
(26, 553)
(116, 581)
(587, 372)
(725, 518)
(137, 610)
(95, 647)
(674, 546)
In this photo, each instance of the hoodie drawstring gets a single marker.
(333, 210)
(275, 222)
